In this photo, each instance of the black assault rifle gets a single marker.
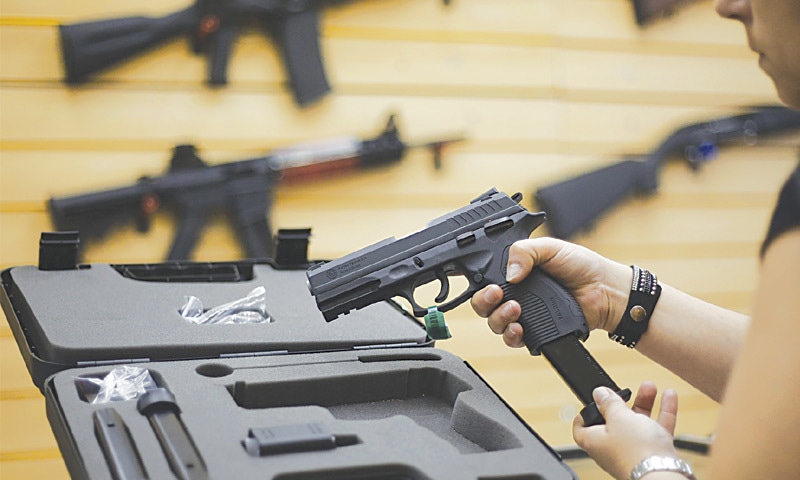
(575, 204)
(193, 190)
(212, 26)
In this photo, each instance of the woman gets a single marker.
(751, 365)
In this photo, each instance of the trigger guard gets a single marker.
(418, 310)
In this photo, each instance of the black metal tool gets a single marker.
(159, 406)
(294, 438)
(115, 439)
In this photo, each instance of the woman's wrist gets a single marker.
(617, 291)
(643, 297)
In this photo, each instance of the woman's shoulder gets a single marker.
(786, 215)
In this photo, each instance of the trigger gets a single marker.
(445, 290)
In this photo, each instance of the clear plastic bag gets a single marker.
(122, 383)
(250, 309)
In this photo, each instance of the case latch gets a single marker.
(58, 250)
(292, 246)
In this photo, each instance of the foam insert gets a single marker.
(417, 414)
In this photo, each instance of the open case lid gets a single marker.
(106, 314)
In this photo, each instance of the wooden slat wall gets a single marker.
(542, 90)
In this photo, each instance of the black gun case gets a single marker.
(368, 396)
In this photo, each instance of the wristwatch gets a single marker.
(661, 463)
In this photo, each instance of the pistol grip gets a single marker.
(192, 221)
(219, 55)
(548, 310)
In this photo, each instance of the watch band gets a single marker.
(661, 463)
(645, 292)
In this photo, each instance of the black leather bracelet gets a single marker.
(645, 292)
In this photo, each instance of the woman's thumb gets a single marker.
(608, 402)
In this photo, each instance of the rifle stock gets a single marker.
(95, 214)
(95, 46)
(566, 205)
(576, 203)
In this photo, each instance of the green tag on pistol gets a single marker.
(435, 324)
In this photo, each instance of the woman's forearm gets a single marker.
(694, 339)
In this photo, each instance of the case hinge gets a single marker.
(388, 345)
(120, 361)
(254, 354)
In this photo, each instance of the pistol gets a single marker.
(472, 242)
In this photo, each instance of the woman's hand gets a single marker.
(629, 435)
(599, 285)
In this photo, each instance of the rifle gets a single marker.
(647, 12)
(472, 242)
(193, 190)
(575, 204)
(212, 27)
